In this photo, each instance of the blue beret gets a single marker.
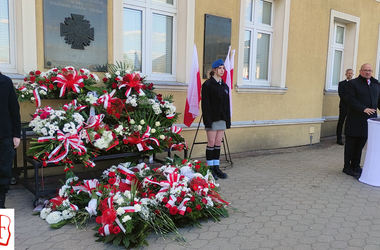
(217, 63)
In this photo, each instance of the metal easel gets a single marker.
(229, 159)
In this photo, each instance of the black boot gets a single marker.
(213, 173)
(2, 201)
(219, 172)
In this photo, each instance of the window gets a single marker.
(263, 45)
(343, 46)
(7, 38)
(338, 52)
(258, 41)
(149, 37)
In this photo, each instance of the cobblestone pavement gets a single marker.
(296, 199)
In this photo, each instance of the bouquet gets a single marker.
(55, 83)
(131, 201)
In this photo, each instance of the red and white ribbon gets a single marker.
(69, 82)
(37, 95)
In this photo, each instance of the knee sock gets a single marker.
(209, 155)
(216, 155)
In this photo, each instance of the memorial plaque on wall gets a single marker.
(75, 34)
(217, 41)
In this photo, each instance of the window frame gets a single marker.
(256, 27)
(149, 8)
(337, 47)
(351, 41)
(11, 67)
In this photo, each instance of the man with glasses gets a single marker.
(363, 98)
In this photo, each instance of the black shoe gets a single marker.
(339, 142)
(358, 170)
(213, 173)
(350, 172)
(219, 172)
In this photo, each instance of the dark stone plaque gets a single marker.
(75, 33)
(217, 40)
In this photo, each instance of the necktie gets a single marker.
(368, 81)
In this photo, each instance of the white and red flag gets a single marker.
(228, 73)
(193, 92)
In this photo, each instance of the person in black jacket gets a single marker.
(10, 132)
(342, 105)
(216, 115)
(363, 98)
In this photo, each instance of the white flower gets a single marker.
(32, 98)
(126, 218)
(132, 121)
(54, 217)
(120, 211)
(153, 130)
(137, 207)
(67, 214)
(117, 73)
(162, 137)
(108, 75)
(45, 212)
(128, 71)
(139, 127)
(157, 124)
(142, 122)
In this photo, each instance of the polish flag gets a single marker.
(228, 73)
(193, 92)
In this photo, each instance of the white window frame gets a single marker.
(24, 32)
(148, 8)
(279, 50)
(337, 47)
(11, 67)
(351, 41)
(255, 27)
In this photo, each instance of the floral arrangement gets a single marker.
(125, 116)
(56, 83)
(60, 140)
(131, 201)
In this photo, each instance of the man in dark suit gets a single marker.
(10, 132)
(363, 98)
(342, 105)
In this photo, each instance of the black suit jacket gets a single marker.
(10, 124)
(342, 94)
(360, 96)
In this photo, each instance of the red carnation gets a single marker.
(84, 77)
(81, 84)
(183, 193)
(97, 136)
(37, 73)
(53, 78)
(184, 161)
(125, 141)
(192, 199)
(117, 115)
(150, 86)
(188, 210)
(144, 86)
(111, 174)
(51, 86)
(173, 210)
(179, 199)
(104, 79)
(64, 70)
(81, 70)
(114, 85)
(31, 73)
(116, 230)
(112, 181)
(165, 200)
(204, 200)
(198, 207)
(32, 78)
(197, 167)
